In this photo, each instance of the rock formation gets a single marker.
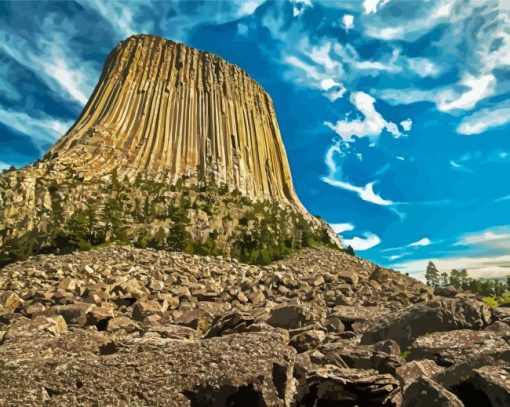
(176, 148)
(144, 327)
(163, 106)
(178, 151)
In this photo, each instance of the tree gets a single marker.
(432, 275)
(455, 278)
(444, 278)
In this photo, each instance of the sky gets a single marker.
(395, 114)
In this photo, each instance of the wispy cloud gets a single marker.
(42, 130)
(51, 60)
(341, 227)
(478, 89)
(372, 124)
(117, 14)
(367, 241)
(498, 237)
(420, 243)
(366, 193)
(485, 266)
(484, 120)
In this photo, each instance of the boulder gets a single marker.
(289, 316)
(447, 348)
(233, 322)
(144, 308)
(434, 316)
(387, 346)
(408, 373)
(489, 385)
(350, 276)
(350, 315)
(10, 301)
(424, 392)
(307, 340)
(74, 314)
(329, 385)
(361, 357)
(448, 291)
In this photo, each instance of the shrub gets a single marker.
(490, 301)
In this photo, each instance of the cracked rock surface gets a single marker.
(122, 326)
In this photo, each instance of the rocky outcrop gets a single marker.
(94, 368)
(162, 106)
(434, 316)
(176, 149)
(425, 392)
(448, 348)
(121, 326)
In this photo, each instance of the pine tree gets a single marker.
(444, 278)
(432, 275)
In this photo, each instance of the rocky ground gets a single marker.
(120, 326)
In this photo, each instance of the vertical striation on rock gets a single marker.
(163, 106)
(176, 149)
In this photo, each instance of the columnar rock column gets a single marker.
(163, 106)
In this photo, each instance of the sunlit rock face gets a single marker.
(163, 106)
(176, 149)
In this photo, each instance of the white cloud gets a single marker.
(392, 26)
(484, 120)
(398, 157)
(332, 90)
(117, 14)
(371, 126)
(366, 193)
(311, 71)
(479, 88)
(50, 59)
(319, 68)
(42, 130)
(347, 21)
(341, 227)
(499, 238)
(407, 124)
(3, 166)
(478, 267)
(420, 243)
(424, 67)
(367, 241)
(371, 6)
(394, 257)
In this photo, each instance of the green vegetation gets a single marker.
(490, 301)
(432, 275)
(495, 291)
(200, 218)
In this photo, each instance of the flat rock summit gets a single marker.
(159, 256)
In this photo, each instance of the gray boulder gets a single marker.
(434, 316)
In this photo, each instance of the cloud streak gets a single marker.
(367, 241)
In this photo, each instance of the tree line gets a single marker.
(496, 289)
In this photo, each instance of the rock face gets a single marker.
(175, 149)
(163, 106)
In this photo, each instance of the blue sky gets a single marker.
(395, 114)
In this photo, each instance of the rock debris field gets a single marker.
(119, 326)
